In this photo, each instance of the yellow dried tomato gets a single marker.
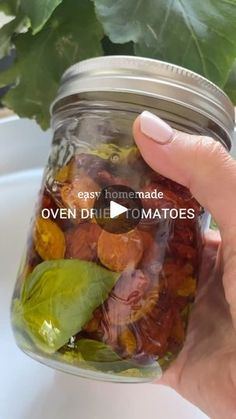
(120, 251)
(128, 341)
(65, 173)
(49, 240)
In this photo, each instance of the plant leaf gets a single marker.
(230, 87)
(7, 32)
(71, 34)
(39, 11)
(97, 355)
(200, 35)
(9, 7)
(59, 297)
(95, 351)
(110, 48)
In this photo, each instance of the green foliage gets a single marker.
(39, 12)
(199, 35)
(58, 299)
(230, 87)
(9, 7)
(14, 26)
(72, 34)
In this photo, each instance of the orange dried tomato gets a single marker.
(49, 240)
(70, 193)
(81, 241)
(120, 251)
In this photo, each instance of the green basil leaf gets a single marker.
(95, 351)
(23, 340)
(199, 35)
(39, 11)
(59, 298)
(96, 355)
(71, 34)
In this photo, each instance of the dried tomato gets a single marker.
(178, 331)
(169, 200)
(106, 178)
(173, 275)
(90, 165)
(70, 193)
(126, 299)
(127, 341)
(47, 201)
(152, 332)
(120, 251)
(183, 251)
(65, 173)
(82, 240)
(49, 240)
(187, 287)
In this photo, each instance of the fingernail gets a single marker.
(155, 127)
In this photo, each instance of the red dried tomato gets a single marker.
(173, 275)
(82, 241)
(169, 200)
(152, 332)
(177, 331)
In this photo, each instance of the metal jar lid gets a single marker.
(153, 78)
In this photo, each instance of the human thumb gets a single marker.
(202, 165)
(198, 162)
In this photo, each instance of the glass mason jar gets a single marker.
(103, 294)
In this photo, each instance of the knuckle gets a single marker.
(210, 150)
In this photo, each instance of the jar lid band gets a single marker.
(153, 78)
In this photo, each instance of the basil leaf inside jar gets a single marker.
(59, 297)
(88, 353)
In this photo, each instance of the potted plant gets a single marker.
(50, 35)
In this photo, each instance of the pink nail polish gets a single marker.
(155, 128)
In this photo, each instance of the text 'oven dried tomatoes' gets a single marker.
(49, 240)
(120, 251)
(82, 240)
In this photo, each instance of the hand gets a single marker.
(205, 370)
